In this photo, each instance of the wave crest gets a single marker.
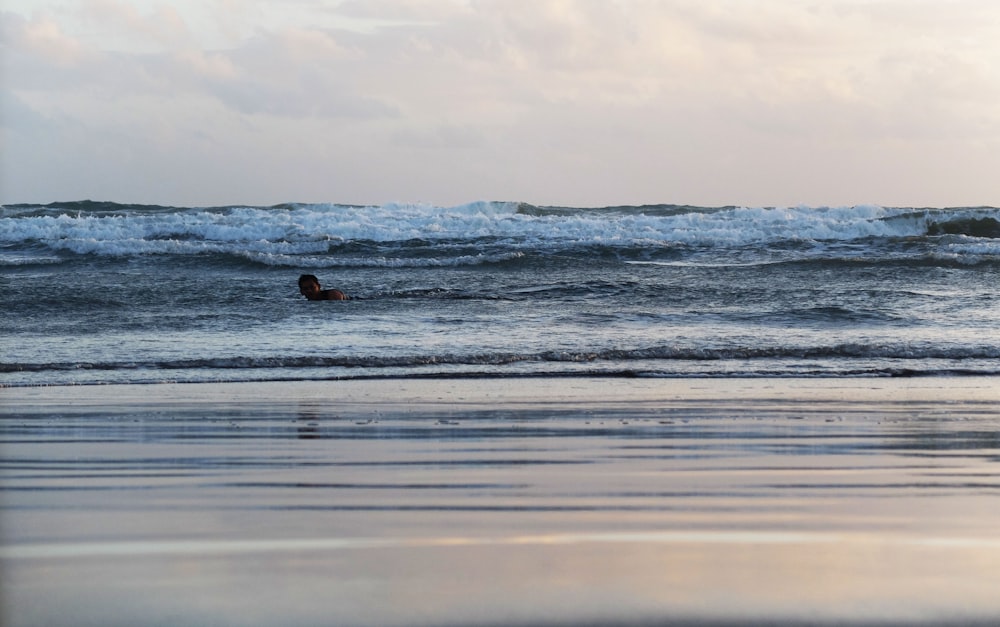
(298, 234)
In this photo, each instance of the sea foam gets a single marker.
(314, 228)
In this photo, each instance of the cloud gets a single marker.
(294, 72)
(584, 101)
(116, 21)
(38, 43)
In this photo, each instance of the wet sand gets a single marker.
(502, 502)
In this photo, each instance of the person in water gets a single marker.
(309, 287)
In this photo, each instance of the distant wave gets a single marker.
(395, 235)
(973, 227)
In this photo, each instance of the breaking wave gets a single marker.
(330, 235)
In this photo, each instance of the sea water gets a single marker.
(114, 293)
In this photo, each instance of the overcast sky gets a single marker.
(583, 103)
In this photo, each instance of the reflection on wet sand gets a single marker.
(307, 421)
(777, 502)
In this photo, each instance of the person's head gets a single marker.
(309, 286)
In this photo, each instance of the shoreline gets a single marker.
(928, 387)
(458, 375)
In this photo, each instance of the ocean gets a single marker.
(101, 293)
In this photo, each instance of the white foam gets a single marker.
(312, 229)
(315, 261)
(27, 259)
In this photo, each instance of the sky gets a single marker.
(552, 102)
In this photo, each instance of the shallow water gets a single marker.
(523, 501)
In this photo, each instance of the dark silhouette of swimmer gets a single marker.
(309, 287)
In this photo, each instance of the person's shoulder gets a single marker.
(335, 295)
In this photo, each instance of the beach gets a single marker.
(484, 314)
(502, 501)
